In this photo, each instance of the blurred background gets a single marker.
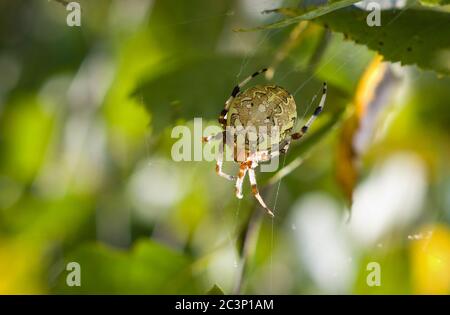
(86, 174)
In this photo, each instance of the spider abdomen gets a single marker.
(265, 106)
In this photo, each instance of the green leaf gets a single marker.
(184, 28)
(394, 270)
(201, 87)
(25, 132)
(149, 268)
(215, 290)
(298, 15)
(418, 36)
(191, 90)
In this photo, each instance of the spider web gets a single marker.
(322, 64)
(243, 71)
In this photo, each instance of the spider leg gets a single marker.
(286, 146)
(217, 136)
(251, 175)
(282, 150)
(313, 117)
(243, 168)
(234, 93)
(238, 87)
(219, 164)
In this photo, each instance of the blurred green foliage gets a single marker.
(86, 115)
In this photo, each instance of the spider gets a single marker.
(264, 106)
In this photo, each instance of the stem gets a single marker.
(249, 245)
(251, 233)
(285, 171)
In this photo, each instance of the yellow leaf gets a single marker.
(19, 268)
(346, 169)
(430, 261)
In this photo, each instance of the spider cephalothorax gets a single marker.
(267, 109)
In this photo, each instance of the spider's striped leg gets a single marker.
(251, 175)
(243, 168)
(217, 136)
(285, 146)
(316, 113)
(281, 150)
(219, 163)
(238, 87)
(223, 118)
(234, 93)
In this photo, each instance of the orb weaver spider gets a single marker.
(261, 105)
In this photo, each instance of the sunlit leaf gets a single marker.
(21, 266)
(343, 63)
(347, 155)
(374, 93)
(430, 261)
(25, 133)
